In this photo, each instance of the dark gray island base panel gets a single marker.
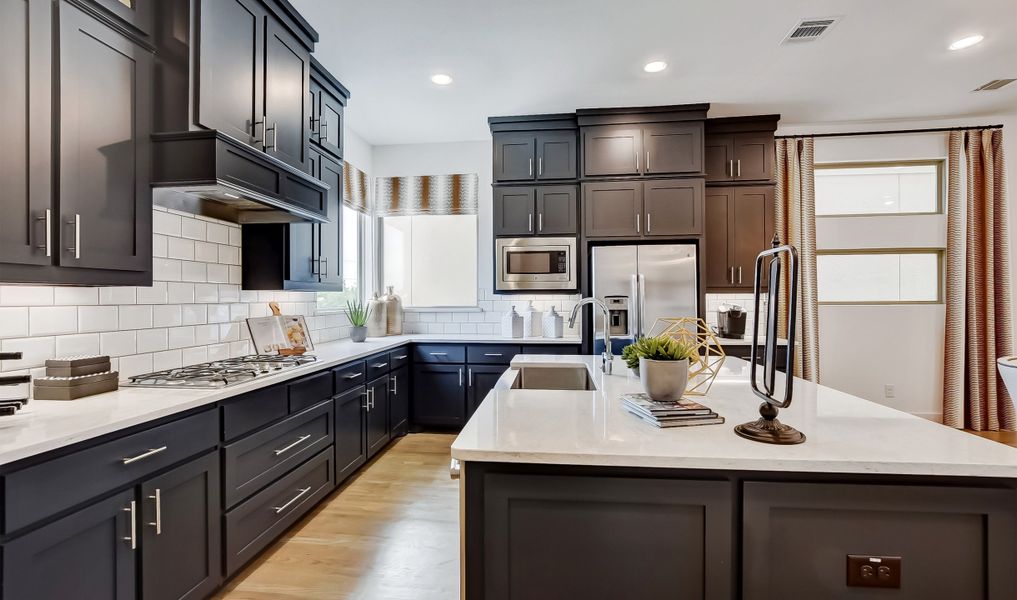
(553, 532)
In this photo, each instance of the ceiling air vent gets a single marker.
(810, 29)
(995, 84)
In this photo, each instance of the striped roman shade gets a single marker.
(355, 186)
(426, 195)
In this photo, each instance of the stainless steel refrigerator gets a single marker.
(640, 284)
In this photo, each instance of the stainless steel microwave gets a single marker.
(537, 263)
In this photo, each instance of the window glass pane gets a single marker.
(880, 189)
(431, 260)
(879, 277)
(351, 262)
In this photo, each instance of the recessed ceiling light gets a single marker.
(655, 67)
(967, 42)
(441, 79)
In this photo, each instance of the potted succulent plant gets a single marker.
(358, 314)
(663, 366)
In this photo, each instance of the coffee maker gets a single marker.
(731, 321)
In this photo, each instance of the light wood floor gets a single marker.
(392, 533)
(1003, 437)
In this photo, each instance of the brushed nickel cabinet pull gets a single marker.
(379, 365)
(647, 222)
(730, 168)
(460, 377)
(400, 357)
(157, 496)
(647, 161)
(540, 221)
(739, 168)
(637, 222)
(352, 376)
(529, 223)
(540, 166)
(732, 276)
(637, 161)
(299, 441)
(439, 353)
(531, 167)
(470, 374)
(144, 455)
(493, 354)
(323, 261)
(49, 233)
(395, 384)
(322, 130)
(739, 275)
(279, 509)
(133, 537)
(76, 248)
(255, 138)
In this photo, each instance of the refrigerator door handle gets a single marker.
(642, 303)
(636, 317)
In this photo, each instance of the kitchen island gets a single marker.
(567, 495)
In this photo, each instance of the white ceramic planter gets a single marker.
(664, 380)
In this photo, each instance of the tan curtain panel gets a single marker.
(795, 224)
(355, 187)
(978, 309)
(426, 195)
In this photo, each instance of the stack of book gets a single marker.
(682, 413)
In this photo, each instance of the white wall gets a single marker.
(864, 348)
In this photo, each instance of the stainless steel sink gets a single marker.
(554, 378)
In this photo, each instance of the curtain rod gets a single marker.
(891, 132)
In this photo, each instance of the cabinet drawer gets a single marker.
(48, 488)
(491, 354)
(399, 357)
(439, 353)
(310, 391)
(349, 376)
(254, 524)
(377, 365)
(253, 410)
(255, 461)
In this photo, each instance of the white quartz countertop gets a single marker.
(44, 425)
(845, 434)
(746, 341)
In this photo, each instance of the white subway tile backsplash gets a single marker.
(206, 334)
(239, 311)
(170, 359)
(179, 293)
(206, 252)
(235, 274)
(193, 314)
(34, 351)
(160, 244)
(192, 228)
(155, 294)
(218, 351)
(229, 293)
(218, 233)
(206, 292)
(166, 316)
(72, 345)
(235, 236)
(151, 340)
(165, 223)
(97, 318)
(218, 313)
(180, 337)
(197, 354)
(217, 273)
(180, 248)
(75, 296)
(229, 255)
(165, 269)
(252, 296)
(13, 321)
(135, 317)
(118, 343)
(118, 295)
(50, 320)
(26, 295)
(194, 271)
(135, 365)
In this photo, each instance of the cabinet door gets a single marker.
(613, 209)
(377, 415)
(718, 219)
(231, 76)
(719, 157)
(105, 148)
(181, 532)
(303, 259)
(329, 266)
(514, 156)
(314, 120)
(286, 110)
(330, 122)
(439, 395)
(673, 148)
(513, 211)
(612, 150)
(754, 155)
(481, 380)
(751, 226)
(399, 401)
(84, 555)
(350, 441)
(673, 207)
(556, 155)
(556, 210)
(25, 162)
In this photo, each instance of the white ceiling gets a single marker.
(886, 59)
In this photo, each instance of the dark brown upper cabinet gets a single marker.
(328, 100)
(653, 208)
(739, 225)
(540, 210)
(534, 148)
(612, 150)
(740, 148)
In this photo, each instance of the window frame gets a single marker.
(938, 163)
(361, 258)
(380, 268)
(940, 274)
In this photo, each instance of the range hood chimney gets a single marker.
(210, 173)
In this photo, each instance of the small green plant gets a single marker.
(656, 348)
(358, 312)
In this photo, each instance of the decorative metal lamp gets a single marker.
(767, 428)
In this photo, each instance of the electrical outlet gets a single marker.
(889, 391)
(873, 571)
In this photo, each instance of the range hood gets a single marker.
(208, 172)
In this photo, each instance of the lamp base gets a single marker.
(768, 430)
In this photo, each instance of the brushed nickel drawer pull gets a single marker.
(299, 441)
(492, 354)
(379, 365)
(352, 376)
(279, 509)
(133, 537)
(400, 357)
(157, 496)
(144, 455)
(395, 384)
(439, 353)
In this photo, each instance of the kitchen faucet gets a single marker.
(607, 358)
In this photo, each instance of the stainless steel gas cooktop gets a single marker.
(220, 373)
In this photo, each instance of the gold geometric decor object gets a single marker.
(709, 354)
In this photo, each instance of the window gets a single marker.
(885, 188)
(431, 260)
(352, 261)
(883, 277)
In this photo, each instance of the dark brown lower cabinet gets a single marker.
(180, 522)
(350, 435)
(377, 415)
(85, 555)
(953, 542)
